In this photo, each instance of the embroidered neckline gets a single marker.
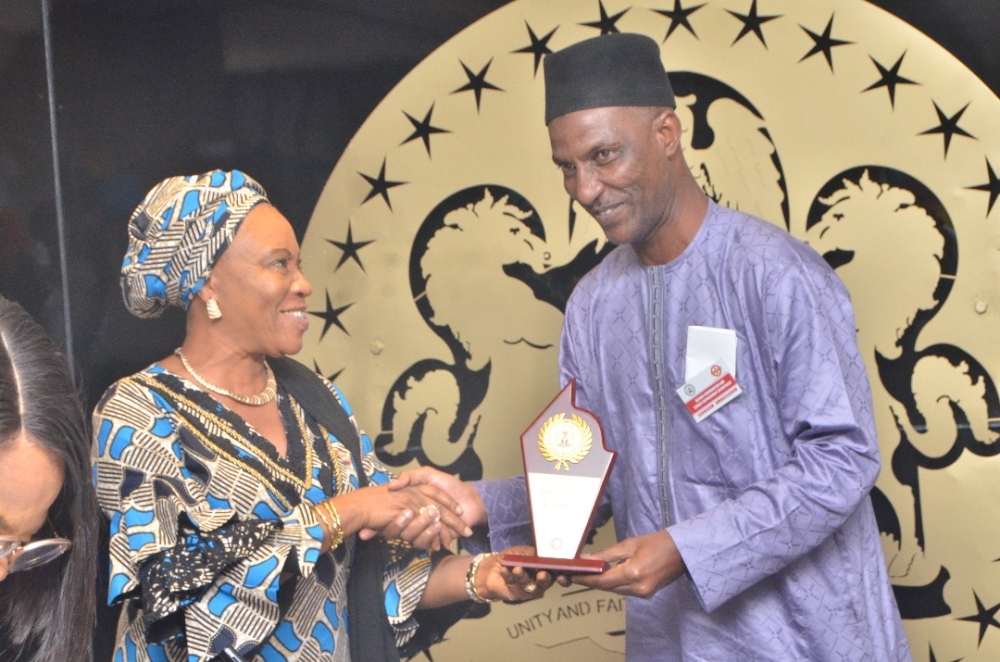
(201, 410)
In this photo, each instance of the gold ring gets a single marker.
(423, 510)
(530, 588)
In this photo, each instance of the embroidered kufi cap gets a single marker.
(619, 69)
(178, 232)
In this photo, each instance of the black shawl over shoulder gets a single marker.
(372, 637)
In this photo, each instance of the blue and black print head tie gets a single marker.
(178, 232)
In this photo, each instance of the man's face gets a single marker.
(614, 163)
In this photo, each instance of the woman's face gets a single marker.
(30, 481)
(259, 287)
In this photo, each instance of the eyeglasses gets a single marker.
(32, 554)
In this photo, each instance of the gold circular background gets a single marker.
(922, 269)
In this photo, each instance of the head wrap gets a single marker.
(178, 232)
(619, 69)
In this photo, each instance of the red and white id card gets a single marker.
(709, 390)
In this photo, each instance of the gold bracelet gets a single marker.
(470, 580)
(324, 522)
(329, 518)
(336, 528)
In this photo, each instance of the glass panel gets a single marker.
(153, 89)
(29, 253)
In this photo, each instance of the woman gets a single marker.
(47, 503)
(228, 473)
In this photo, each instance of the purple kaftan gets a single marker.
(767, 499)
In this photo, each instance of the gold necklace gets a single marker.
(262, 398)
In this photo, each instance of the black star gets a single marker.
(329, 378)
(890, 79)
(607, 23)
(539, 47)
(380, 186)
(477, 82)
(993, 186)
(985, 617)
(679, 18)
(331, 316)
(752, 23)
(422, 129)
(823, 43)
(948, 127)
(350, 248)
(934, 657)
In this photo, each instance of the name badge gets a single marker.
(709, 390)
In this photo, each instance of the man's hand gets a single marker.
(640, 566)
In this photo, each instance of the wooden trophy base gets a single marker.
(555, 566)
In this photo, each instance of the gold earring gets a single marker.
(212, 306)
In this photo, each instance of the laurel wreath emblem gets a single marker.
(563, 441)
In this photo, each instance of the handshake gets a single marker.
(431, 510)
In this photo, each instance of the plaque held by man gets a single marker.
(566, 468)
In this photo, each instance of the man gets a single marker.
(747, 535)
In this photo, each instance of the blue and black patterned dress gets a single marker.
(213, 542)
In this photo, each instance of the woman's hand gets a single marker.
(460, 577)
(408, 526)
(473, 509)
(496, 582)
(421, 515)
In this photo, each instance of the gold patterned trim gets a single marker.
(189, 409)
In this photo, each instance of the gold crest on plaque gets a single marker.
(563, 440)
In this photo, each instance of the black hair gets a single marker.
(49, 610)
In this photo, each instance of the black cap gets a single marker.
(618, 69)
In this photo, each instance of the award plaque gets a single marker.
(566, 467)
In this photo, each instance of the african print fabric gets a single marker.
(177, 233)
(213, 541)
